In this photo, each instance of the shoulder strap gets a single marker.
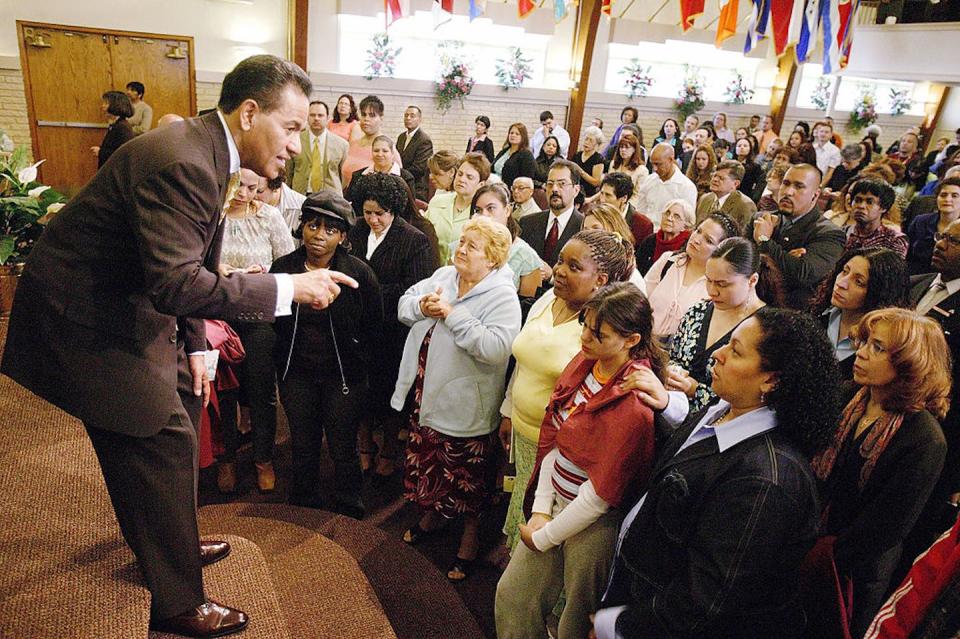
(666, 267)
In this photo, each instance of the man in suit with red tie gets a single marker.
(107, 320)
(548, 231)
(937, 296)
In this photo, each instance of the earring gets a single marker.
(763, 397)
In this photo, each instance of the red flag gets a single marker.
(395, 9)
(781, 12)
(690, 9)
(727, 22)
(524, 7)
(607, 6)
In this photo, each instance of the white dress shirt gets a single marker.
(828, 156)
(935, 294)
(562, 221)
(539, 136)
(373, 241)
(654, 194)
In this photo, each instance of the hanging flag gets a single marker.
(830, 25)
(757, 26)
(607, 6)
(848, 18)
(727, 22)
(780, 14)
(477, 9)
(395, 9)
(524, 7)
(796, 22)
(690, 9)
(442, 13)
(808, 30)
(559, 10)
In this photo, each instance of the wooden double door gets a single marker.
(67, 69)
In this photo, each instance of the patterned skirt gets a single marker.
(449, 475)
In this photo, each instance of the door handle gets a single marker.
(72, 125)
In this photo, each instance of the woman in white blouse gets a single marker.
(677, 280)
(254, 235)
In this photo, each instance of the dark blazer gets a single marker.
(117, 133)
(355, 322)
(715, 549)
(520, 164)
(414, 156)
(99, 321)
(823, 241)
(846, 365)
(919, 205)
(485, 147)
(542, 168)
(533, 230)
(920, 249)
(752, 175)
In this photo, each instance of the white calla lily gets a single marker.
(37, 191)
(29, 174)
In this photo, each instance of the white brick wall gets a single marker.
(13, 107)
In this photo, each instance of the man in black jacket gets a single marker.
(804, 245)
(415, 148)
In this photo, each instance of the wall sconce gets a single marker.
(36, 38)
(176, 52)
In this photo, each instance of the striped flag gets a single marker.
(727, 22)
(796, 22)
(690, 9)
(607, 6)
(559, 10)
(808, 30)
(524, 7)
(780, 14)
(442, 13)
(848, 18)
(395, 9)
(830, 24)
(757, 27)
(477, 9)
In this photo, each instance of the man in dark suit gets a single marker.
(107, 325)
(937, 296)
(548, 231)
(804, 245)
(415, 148)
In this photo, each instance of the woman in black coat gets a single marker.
(117, 107)
(323, 357)
(481, 142)
(515, 159)
(713, 548)
(887, 452)
(401, 256)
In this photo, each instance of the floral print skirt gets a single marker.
(449, 475)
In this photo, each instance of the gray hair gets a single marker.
(689, 215)
(595, 133)
(851, 152)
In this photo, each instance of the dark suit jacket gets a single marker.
(823, 241)
(414, 156)
(533, 230)
(520, 164)
(485, 147)
(99, 320)
(117, 133)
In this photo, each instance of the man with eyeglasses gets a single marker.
(548, 231)
(937, 296)
(870, 200)
(923, 227)
(521, 192)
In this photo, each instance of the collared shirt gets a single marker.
(843, 346)
(654, 194)
(409, 138)
(884, 237)
(528, 207)
(786, 221)
(721, 200)
(935, 294)
(561, 219)
(284, 280)
(321, 141)
(540, 136)
(828, 156)
(737, 430)
(373, 241)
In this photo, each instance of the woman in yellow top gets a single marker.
(547, 342)
(449, 212)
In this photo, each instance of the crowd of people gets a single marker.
(720, 365)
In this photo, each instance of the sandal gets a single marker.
(415, 534)
(461, 567)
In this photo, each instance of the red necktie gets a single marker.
(550, 245)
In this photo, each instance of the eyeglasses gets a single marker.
(522, 187)
(939, 237)
(561, 183)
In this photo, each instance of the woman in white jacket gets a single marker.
(463, 320)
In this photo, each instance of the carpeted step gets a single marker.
(242, 580)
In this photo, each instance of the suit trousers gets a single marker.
(313, 407)
(152, 483)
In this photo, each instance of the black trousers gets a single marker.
(314, 407)
(152, 483)
(258, 390)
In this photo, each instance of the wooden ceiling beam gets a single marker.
(297, 16)
(782, 87)
(584, 38)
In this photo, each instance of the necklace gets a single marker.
(564, 315)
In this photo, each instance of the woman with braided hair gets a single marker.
(547, 342)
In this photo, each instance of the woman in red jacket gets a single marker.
(595, 440)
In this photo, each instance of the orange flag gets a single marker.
(727, 22)
(524, 7)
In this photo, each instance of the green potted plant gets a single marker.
(25, 207)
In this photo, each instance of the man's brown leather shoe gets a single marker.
(206, 620)
(213, 551)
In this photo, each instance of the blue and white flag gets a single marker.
(808, 31)
(757, 26)
(830, 22)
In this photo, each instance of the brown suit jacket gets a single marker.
(737, 205)
(100, 322)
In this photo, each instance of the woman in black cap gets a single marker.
(323, 356)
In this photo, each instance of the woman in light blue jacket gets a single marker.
(463, 320)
